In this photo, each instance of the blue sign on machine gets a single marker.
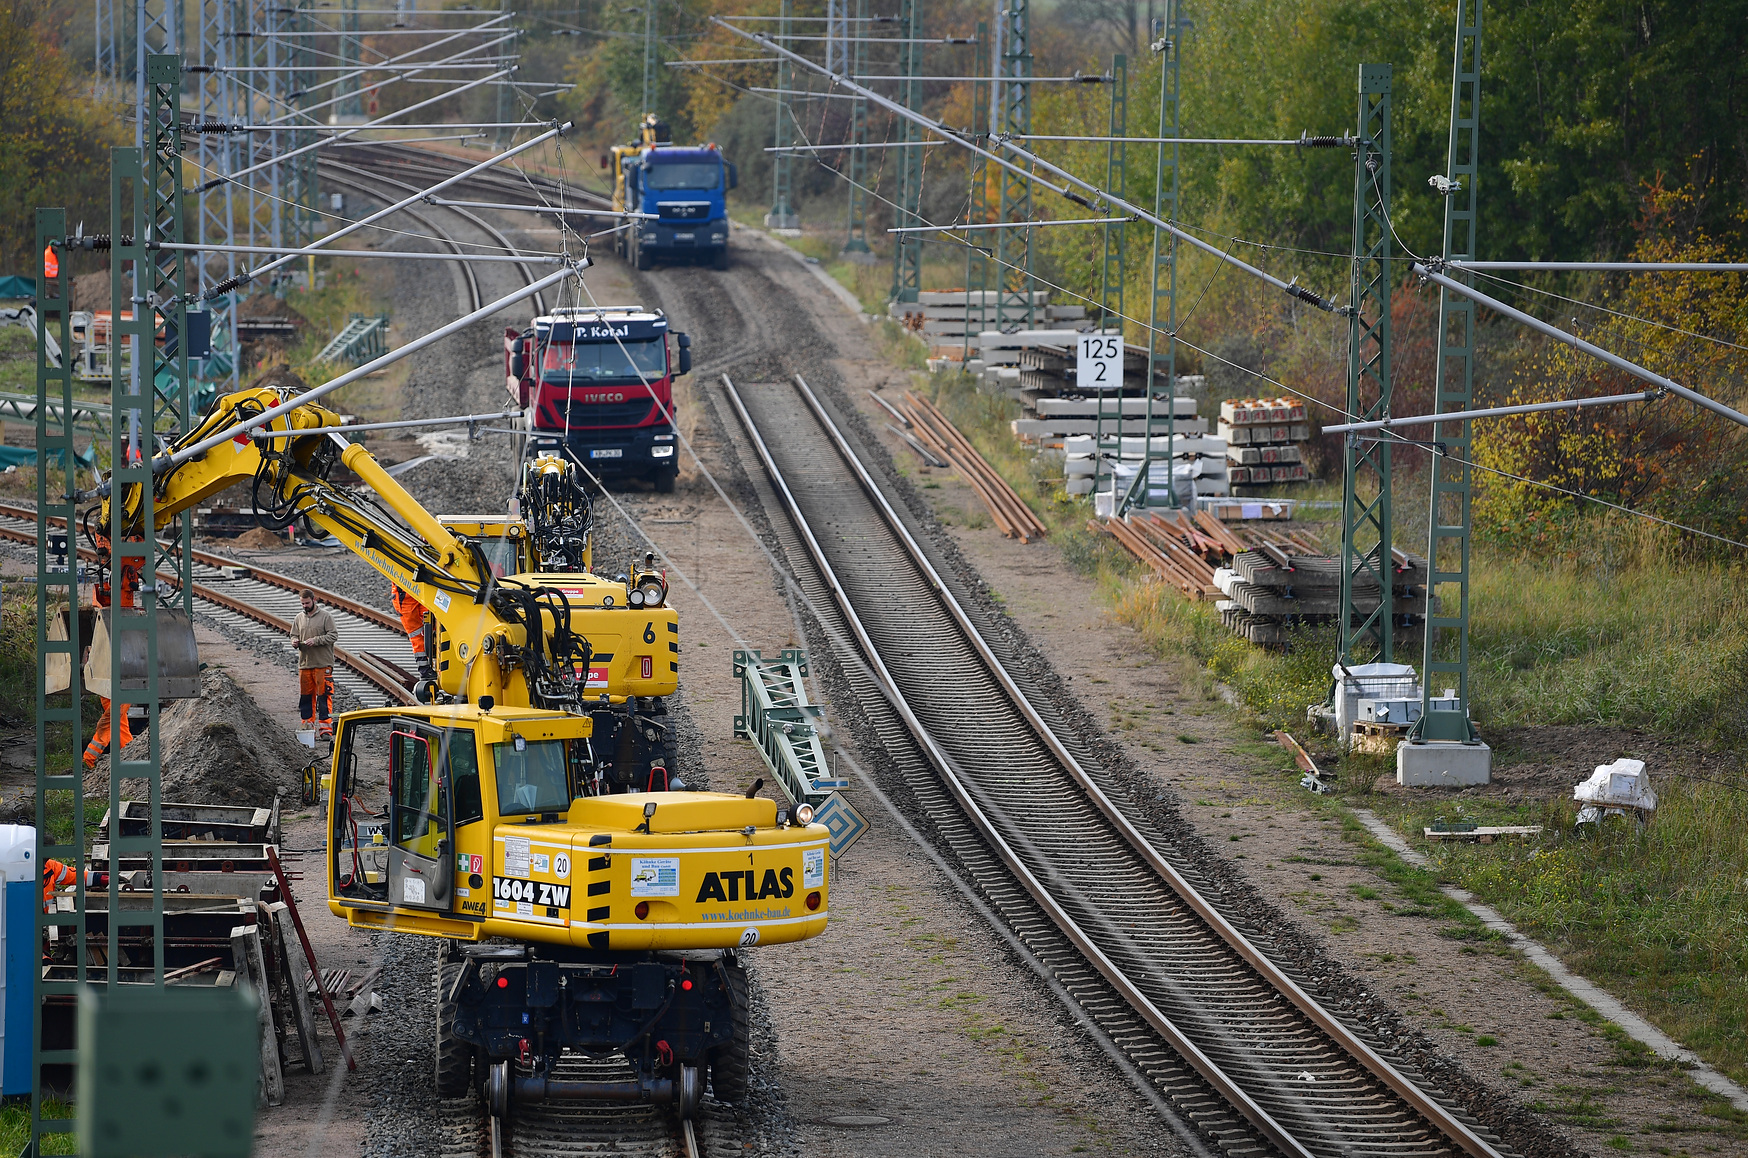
(843, 821)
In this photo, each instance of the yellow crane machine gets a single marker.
(586, 900)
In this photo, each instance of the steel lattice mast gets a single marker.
(1449, 521)
(1366, 545)
(907, 248)
(1013, 110)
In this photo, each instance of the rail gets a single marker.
(1172, 957)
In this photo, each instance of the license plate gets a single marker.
(614, 453)
(684, 236)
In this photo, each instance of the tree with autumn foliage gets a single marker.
(54, 140)
(1667, 457)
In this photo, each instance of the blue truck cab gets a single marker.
(684, 189)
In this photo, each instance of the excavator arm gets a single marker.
(535, 640)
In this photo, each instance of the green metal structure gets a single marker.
(651, 61)
(782, 214)
(1013, 247)
(57, 591)
(148, 284)
(1162, 302)
(1365, 510)
(777, 716)
(365, 336)
(1111, 311)
(856, 245)
(977, 207)
(907, 248)
(1449, 525)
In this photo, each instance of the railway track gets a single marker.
(1241, 1050)
(247, 597)
(540, 1129)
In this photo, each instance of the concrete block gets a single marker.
(1443, 764)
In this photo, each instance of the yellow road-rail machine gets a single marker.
(584, 905)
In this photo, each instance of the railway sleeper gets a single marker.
(674, 1016)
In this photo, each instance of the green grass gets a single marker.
(15, 1126)
(1636, 632)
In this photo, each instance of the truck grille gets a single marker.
(585, 414)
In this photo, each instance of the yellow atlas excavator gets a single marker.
(576, 914)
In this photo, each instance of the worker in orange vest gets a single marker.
(129, 581)
(412, 614)
(55, 876)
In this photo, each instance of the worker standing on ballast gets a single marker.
(314, 634)
(412, 614)
(129, 582)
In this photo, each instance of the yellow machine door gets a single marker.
(421, 861)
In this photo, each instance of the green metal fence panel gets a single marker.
(782, 723)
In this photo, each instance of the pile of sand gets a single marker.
(260, 539)
(219, 749)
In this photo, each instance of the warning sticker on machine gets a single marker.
(506, 890)
(655, 876)
(812, 868)
(516, 856)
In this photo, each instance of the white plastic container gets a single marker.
(1369, 681)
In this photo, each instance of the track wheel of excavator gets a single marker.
(455, 1058)
(731, 1062)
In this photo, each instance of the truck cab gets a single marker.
(684, 188)
(597, 383)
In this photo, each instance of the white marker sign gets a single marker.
(1100, 362)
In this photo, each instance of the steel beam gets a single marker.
(780, 720)
(1449, 519)
(60, 732)
(782, 214)
(907, 248)
(977, 258)
(1013, 109)
(1365, 525)
(856, 246)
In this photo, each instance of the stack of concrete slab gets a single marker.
(1278, 585)
(954, 313)
(1265, 438)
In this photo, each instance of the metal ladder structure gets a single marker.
(1366, 546)
(145, 208)
(1016, 303)
(364, 337)
(1450, 522)
(777, 716)
(907, 248)
(782, 214)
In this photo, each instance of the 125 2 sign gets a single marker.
(1099, 365)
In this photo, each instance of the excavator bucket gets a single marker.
(178, 656)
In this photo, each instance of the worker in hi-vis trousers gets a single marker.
(55, 877)
(315, 635)
(412, 614)
(129, 583)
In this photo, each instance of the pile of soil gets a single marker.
(219, 749)
(260, 539)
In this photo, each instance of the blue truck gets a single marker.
(685, 188)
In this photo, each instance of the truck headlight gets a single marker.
(649, 237)
(662, 451)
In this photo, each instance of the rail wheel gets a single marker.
(455, 1058)
(731, 1063)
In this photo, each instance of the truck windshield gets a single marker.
(695, 175)
(565, 362)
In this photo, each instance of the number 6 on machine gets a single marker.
(1099, 365)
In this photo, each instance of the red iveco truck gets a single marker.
(597, 383)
